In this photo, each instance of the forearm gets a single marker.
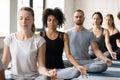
(99, 55)
(109, 47)
(43, 71)
(72, 60)
(5, 63)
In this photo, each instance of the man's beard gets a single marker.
(79, 23)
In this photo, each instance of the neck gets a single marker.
(96, 27)
(78, 28)
(51, 31)
(109, 27)
(24, 36)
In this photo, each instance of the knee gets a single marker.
(103, 67)
(75, 74)
(67, 63)
(68, 73)
(98, 68)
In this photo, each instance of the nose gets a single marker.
(24, 21)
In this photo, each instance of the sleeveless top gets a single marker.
(100, 42)
(113, 39)
(54, 51)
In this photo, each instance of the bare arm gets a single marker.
(99, 54)
(118, 42)
(96, 50)
(41, 63)
(71, 58)
(6, 56)
(108, 45)
(41, 60)
(107, 42)
(67, 51)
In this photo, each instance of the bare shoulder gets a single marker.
(66, 37)
(115, 30)
(106, 31)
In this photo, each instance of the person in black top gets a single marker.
(56, 42)
(114, 35)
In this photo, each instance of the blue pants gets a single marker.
(91, 65)
(67, 73)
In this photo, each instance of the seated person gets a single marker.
(114, 35)
(56, 42)
(80, 40)
(101, 37)
(26, 50)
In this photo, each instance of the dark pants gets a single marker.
(107, 54)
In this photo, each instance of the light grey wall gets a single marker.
(88, 6)
(13, 16)
(69, 7)
(13, 23)
(1, 42)
(91, 6)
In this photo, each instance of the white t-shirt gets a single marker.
(24, 54)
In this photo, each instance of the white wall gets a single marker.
(1, 42)
(69, 7)
(89, 7)
(104, 6)
(13, 16)
(12, 12)
(4, 17)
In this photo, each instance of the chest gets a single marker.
(25, 50)
(97, 33)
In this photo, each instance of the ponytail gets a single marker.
(33, 28)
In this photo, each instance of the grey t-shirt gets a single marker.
(79, 43)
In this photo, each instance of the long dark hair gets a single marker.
(100, 15)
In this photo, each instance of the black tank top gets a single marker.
(113, 39)
(54, 51)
